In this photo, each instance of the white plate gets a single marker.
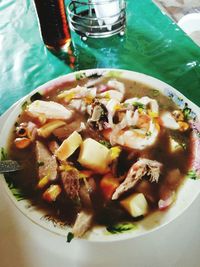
(188, 192)
(25, 244)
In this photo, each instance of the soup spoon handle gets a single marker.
(9, 166)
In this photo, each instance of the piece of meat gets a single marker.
(99, 116)
(71, 183)
(63, 132)
(147, 189)
(47, 164)
(90, 132)
(86, 189)
(83, 223)
(151, 168)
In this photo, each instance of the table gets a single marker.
(154, 45)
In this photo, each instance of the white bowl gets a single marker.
(186, 195)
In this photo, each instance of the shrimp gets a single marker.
(136, 130)
(134, 138)
(146, 101)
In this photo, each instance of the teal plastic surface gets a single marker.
(153, 44)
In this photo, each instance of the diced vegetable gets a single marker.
(85, 174)
(174, 145)
(44, 181)
(22, 142)
(49, 127)
(178, 115)
(115, 152)
(135, 204)
(184, 126)
(52, 193)
(66, 167)
(108, 185)
(69, 146)
(94, 156)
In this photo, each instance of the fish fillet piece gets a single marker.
(49, 109)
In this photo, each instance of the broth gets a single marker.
(93, 194)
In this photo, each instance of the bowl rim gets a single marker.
(135, 76)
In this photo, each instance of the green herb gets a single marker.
(125, 105)
(184, 146)
(155, 92)
(4, 155)
(186, 113)
(192, 175)
(80, 75)
(148, 133)
(24, 105)
(36, 96)
(70, 236)
(105, 143)
(94, 76)
(121, 228)
(138, 105)
(17, 193)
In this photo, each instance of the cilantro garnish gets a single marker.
(148, 133)
(186, 112)
(4, 155)
(105, 143)
(120, 228)
(138, 105)
(80, 75)
(70, 236)
(192, 175)
(24, 105)
(94, 76)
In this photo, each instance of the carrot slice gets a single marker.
(108, 185)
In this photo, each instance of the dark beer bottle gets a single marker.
(53, 22)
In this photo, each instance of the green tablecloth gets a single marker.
(153, 44)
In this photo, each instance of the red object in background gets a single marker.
(53, 22)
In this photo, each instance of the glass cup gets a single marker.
(53, 23)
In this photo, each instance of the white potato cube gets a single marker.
(94, 156)
(135, 204)
(68, 146)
